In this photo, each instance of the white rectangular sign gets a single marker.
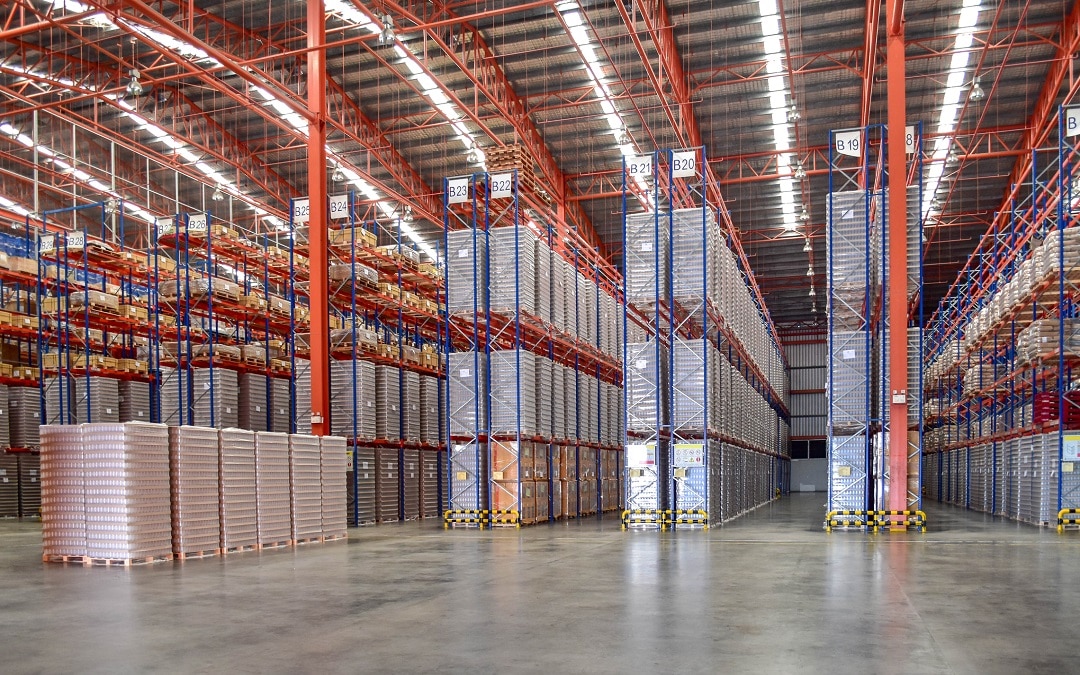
(457, 190)
(76, 241)
(339, 207)
(689, 454)
(196, 222)
(909, 139)
(502, 185)
(301, 211)
(164, 225)
(848, 142)
(47, 243)
(639, 165)
(1072, 121)
(683, 164)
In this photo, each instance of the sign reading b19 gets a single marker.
(848, 142)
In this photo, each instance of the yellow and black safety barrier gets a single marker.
(466, 517)
(504, 517)
(1063, 519)
(639, 517)
(875, 520)
(696, 517)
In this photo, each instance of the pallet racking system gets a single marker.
(696, 343)
(533, 369)
(1001, 408)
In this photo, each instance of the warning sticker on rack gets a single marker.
(1070, 447)
(689, 454)
(641, 454)
(849, 354)
(464, 372)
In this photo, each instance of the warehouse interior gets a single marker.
(659, 335)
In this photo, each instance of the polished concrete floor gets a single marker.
(770, 593)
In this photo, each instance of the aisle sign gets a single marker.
(1072, 121)
(848, 142)
(684, 164)
(689, 454)
(164, 225)
(196, 222)
(502, 185)
(301, 211)
(909, 139)
(339, 207)
(457, 190)
(76, 241)
(47, 243)
(639, 165)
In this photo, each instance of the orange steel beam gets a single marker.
(870, 42)
(897, 286)
(318, 255)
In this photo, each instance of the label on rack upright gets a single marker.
(684, 164)
(457, 190)
(164, 225)
(502, 185)
(339, 207)
(301, 211)
(639, 165)
(196, 222)
(1072, 121)
(848, 142)
(689, 454)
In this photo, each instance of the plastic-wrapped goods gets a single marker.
(387, 402)
(352, 399)
(512, 270)
(95, 399)
(194, 466)
(387, 486)
(333, 493)
(305, 473)
(467, 404)
(430, 479)
(24, 404)
(513, 388)
(410, 405)
(468, 469)
(364, 490)
(466, 269)
(429, 410)
(239, 517)
(272, 488)
(647, 259)
(252, 407)
(410, 484)
(134, 401)
(646, 367)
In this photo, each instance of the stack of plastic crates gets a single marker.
(127, 491)
(429, 410)
(694, 241)
(410, 405)
(352, 393)
(194, 465)
(305, 474)
(410, 483)
(387, 487)
(388, 416)
(364, 493)
(252, 401)
(95, 399)
(63, 491)
(332, 490)
(430, 476)
(466, 263)
(647, 256)
(544, 394)
(279, 405)
(215, 398)
(134, 401)
(513, 389)
(645, 396)
(512, 270)
(239, 518)
(272, 488)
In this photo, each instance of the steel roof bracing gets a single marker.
(223, 104)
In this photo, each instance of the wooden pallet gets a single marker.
(195, 555)
(88, 561)
(277, 544)
(239, 549)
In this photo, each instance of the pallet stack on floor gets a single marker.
(135, 492)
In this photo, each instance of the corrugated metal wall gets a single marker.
(806, 361)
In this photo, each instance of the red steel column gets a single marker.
(320, 319)
(896, 322)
